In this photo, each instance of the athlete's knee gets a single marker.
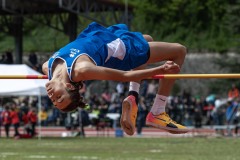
(148, 37)
(181, 49)
(181, 52)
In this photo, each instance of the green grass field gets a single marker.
(121, 149)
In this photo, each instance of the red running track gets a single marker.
(110, 132)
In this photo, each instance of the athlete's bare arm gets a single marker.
(89, 71)
(45, 68)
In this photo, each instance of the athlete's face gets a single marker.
(57, 92)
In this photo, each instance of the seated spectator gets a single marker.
(6, 119)
(208, 109)
(54, 117)
(231, 113)
(26, 124)
(43, 116)
(233, 92)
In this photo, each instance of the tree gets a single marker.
(209, 25)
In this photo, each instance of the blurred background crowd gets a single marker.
(104, 97)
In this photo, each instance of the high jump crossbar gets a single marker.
(23, 77)
(196, 76)
(160, 76)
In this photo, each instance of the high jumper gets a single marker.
(115, 53)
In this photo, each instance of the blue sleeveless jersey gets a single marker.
(112, 47)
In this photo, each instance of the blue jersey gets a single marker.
(113, 47)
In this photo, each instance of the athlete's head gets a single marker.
(65, 95)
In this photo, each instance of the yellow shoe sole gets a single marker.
(168, 129)
(125, 120)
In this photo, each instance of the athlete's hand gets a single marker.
(170, 67)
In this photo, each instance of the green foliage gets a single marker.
(51, 41)
(208, 25)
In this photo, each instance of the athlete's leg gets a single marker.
(135, 86)
(130, 103)
(162, 51)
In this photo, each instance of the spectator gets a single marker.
(32, 117)
(43, 116)
(71, 121)
(233, 92)
(231, 114)
(96, 112)
(114, 96)
(33, 59)
(208, 109)
(198, 114)
(6, 119)
(237, 117)
(26, 124)
(152, 89)
(144, 88)
(120, 88)
(54, 117)
(106, 97)
(218, 114)
(9, 58)
(114, 107)
(176, 108)
(15, 119)
(142, 111)
(85, 121)
(3, 59)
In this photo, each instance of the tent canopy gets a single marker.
(21, 87)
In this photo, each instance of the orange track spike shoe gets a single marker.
(163, 121)
(129, 115)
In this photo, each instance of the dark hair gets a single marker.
(77, 99)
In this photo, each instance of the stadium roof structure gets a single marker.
(13, 12)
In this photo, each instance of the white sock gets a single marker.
(159, 104)
(134, 86)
